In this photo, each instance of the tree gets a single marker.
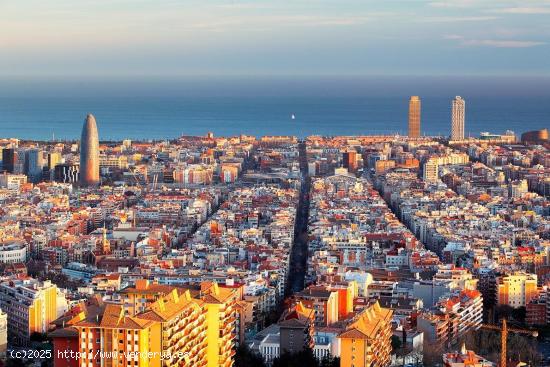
(487, 344)
(11, 362)
(503, 312)
(330, 361)
(38, 337)
(299, 359)
(395, 343)
(519, 314)
(245, 357)
(35, 268)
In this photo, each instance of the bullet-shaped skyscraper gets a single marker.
(414, 117)
(457, 118)
(89, 153)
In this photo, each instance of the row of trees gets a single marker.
(246, 358)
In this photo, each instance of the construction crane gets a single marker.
(504, 330)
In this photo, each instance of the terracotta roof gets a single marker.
(298, 316)
(169, 306)
(368, 322)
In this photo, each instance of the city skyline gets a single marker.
(455, 129)
(351, 37)
(274, 183)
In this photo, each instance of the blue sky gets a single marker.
(274, 37)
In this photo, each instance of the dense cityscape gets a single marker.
(346, 251)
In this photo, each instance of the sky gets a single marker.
(274, 37)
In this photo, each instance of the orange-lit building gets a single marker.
(366, 341)
(323, 301)
(221, 318)
(516, 290)
(66, 337)
(382, 166)
(178, 327)
(229, 173)
(349, 160)
(184, 328)
(414, 117)
(346, 294)
(31, 307)
(465, 358)
(137, 299)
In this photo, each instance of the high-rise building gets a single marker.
(430, 170)
(66, 173)
(180, 326)
(457, 118)
(9, 158)
(33, 164)
(414, 117)
(89, 153)
(323, 301)
(54, 158)
(366, 341)
(31, 307)
(516, 290)
(349, 160)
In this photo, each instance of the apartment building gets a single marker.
(183, 327)
(31, 306)
(516, 290)
(366, 341)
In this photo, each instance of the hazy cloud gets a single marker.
(524, 10)
(455, 3)
(272, 36)
(493, 42)
(459, 18)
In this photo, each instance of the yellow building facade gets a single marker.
(516, 290)
(179, 328)
(366, 341)
(31, 305)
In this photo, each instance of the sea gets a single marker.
(146, 108)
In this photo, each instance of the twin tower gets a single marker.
(89, 153)
(458, 107)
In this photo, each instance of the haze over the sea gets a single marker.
(161, 107)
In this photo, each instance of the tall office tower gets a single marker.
(457, 118)
(414, 117)
(54, 158)
(33, 164)
(89, 153)
(349, 160)
(9, 158)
